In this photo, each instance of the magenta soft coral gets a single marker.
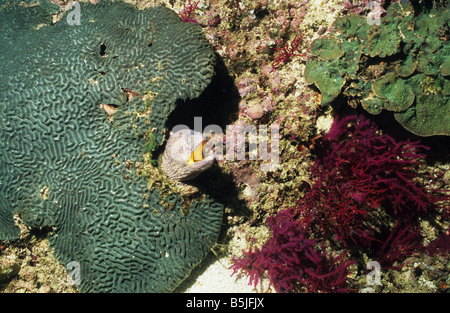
(441, 245)
(187, 10)
(288, 50)
(358, 171)
(402, 241)
(364, 181)
(372, 167)
(292, 260)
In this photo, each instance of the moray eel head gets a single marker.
(185, 157)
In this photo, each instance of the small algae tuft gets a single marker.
(7, 273)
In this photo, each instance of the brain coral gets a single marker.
(77, 103)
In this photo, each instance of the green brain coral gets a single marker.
(401, 65)
(77, 103)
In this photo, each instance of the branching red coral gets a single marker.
(364, 181)
(187, 10)
(287, 51)
(440, 246)
(402, 241)
(358, 171)
(292, 260)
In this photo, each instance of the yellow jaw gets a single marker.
(197, 155)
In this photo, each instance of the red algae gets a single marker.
(186, 13)
(292, 260)
(364, 182)
(287, 51)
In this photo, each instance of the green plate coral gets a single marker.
(77, 104)
(401, 65)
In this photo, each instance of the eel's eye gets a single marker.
(197, 154)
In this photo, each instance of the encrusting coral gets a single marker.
(400, 65)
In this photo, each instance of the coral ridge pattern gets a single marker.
(77, 103)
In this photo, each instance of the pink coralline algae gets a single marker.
(361, 6)
(255, 112)
(247, 86)
(364, 182)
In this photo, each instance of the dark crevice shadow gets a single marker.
(196, 272)
(385, 121)
(218, 105)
